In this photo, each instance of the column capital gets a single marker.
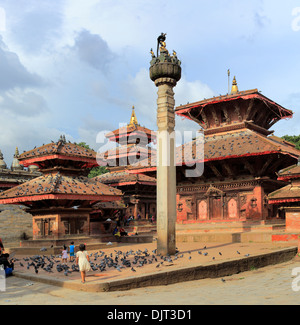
(165, 80)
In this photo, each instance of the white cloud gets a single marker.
(74, 67)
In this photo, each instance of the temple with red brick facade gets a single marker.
(60, 200)
(139, 189)
(241, 157)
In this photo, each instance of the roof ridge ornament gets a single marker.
(234, 88)
(133, 119)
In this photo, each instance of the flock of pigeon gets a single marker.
(101, 261)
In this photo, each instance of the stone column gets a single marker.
(165, 72)
(166, 169)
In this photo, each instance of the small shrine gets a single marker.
(16, 174)
(139, 190)
(287, 199)
(60, 200)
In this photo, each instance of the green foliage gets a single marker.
(84, 145)
(295, 139)
(96, 171)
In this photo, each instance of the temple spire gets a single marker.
(15, 163)
(16, 155)
(133, 119)
(234, 88)
(2, 162)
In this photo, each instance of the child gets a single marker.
(83, 260)
(64, 255)
(72, 251)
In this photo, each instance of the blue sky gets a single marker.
(77, 67)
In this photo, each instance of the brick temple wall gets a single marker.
(14, 221)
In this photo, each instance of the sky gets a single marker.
(77, 67)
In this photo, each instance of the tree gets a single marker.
(295, 139)
(95, 171)
(84, 145)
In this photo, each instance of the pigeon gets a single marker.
(223, 280)
(238, 252)
(133, 270)
(220, 253)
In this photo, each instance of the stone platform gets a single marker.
(190, 265)
(55, 246)
(266, 231)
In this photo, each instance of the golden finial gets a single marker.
(17, 152)
(234, 88)
(133, 119)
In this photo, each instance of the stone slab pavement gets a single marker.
(269, 285)
(272, 285)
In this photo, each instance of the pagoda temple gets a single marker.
(133, 145)
(139, 190)
(60, 200)
(241, 157)
(16, 174)
(287, 198)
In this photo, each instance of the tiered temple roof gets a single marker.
(223, 112)
(62, 165)
(126, 178)
(56, 186)
(234, 126)
(291, 192)
(10, 177)
(56, 154)
(133, 141)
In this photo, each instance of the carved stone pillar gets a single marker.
(165, 71)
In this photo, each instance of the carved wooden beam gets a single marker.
(253, 112)
(204, 118)
(228, 120)
(216, 171)
(266, 165)
(249, 167)
(276, 163)
(215, 116)
(238, 111)
(261, 116)
(228, 169)
(249, 110)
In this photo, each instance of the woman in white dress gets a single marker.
(83, 261)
